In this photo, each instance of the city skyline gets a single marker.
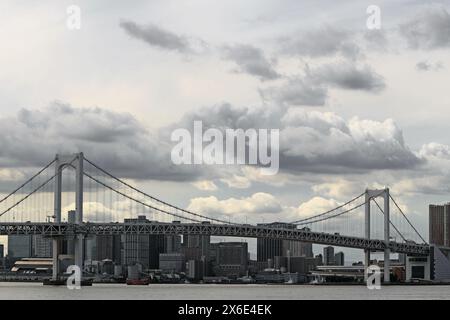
(361, 108)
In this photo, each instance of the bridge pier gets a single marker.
(371, 194)
(56, 249)
(387, 238)
(367, 233)
(75, 161)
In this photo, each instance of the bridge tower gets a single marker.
(372, 194)
(62, 161)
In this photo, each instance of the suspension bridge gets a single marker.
(105, 203)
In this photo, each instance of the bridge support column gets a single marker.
(76, 161)
(79, 254)
(387, 238)
(55, 261)
(367, 233)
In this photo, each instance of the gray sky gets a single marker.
(356, 108)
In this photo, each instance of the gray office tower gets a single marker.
(195, 247)
(328, 256)
(29, 246)
(140, 248)
(20, 246)
(172, 244)
(103, 247)
(232, 259)
(439, 224)
(42, 247)
(339, 259)
(270, 248)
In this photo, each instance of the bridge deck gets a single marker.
(247, 231)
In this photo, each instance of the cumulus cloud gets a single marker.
(311, 89)
(322, 42)
(116, 141)
(205, 185)
(428, 66)
(258, 203)
(251, 60)
(340, 188)
(435, 150)
(158, 37)
(296, 92)
(325, 142)
(428, 30)
(349, 76)
(434, 178)
(315, 205)
(320, 142)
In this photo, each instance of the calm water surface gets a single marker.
(222, 292)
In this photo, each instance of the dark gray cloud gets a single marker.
(322, 42)
(114, 140)
(251, 60)
(349, 76)
(428, 30)
(158, 37)
(428, 66)
(296, 92)
(310, 141)
(318, 142)
(311, 89)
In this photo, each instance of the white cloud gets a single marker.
(205, 185)
(258, 203)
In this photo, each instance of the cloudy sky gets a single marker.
(355, 107)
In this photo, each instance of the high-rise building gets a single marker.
(20, 246)
(339, 259)
(103, 247)
(231, 259)
(270, 248)
(439, 224)
(328, 256)
(198, 241)
(140, 248)
(319, 259)
(197, 247)
(42, 247)
(172, 262)
(172, 244)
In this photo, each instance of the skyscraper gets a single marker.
(328, 256)
(141, 248)
(439, 224)
(232, 258)
(270, 248)
(172, 244)
(20, 246)
(339, 259)
(42, 247)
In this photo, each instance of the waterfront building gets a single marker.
(270, 248)
(231, 259)
(439, 225)
(140, 248)
(328, 256)
(339, 259)
(42, 247)
(172, 262)
(20, 246)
